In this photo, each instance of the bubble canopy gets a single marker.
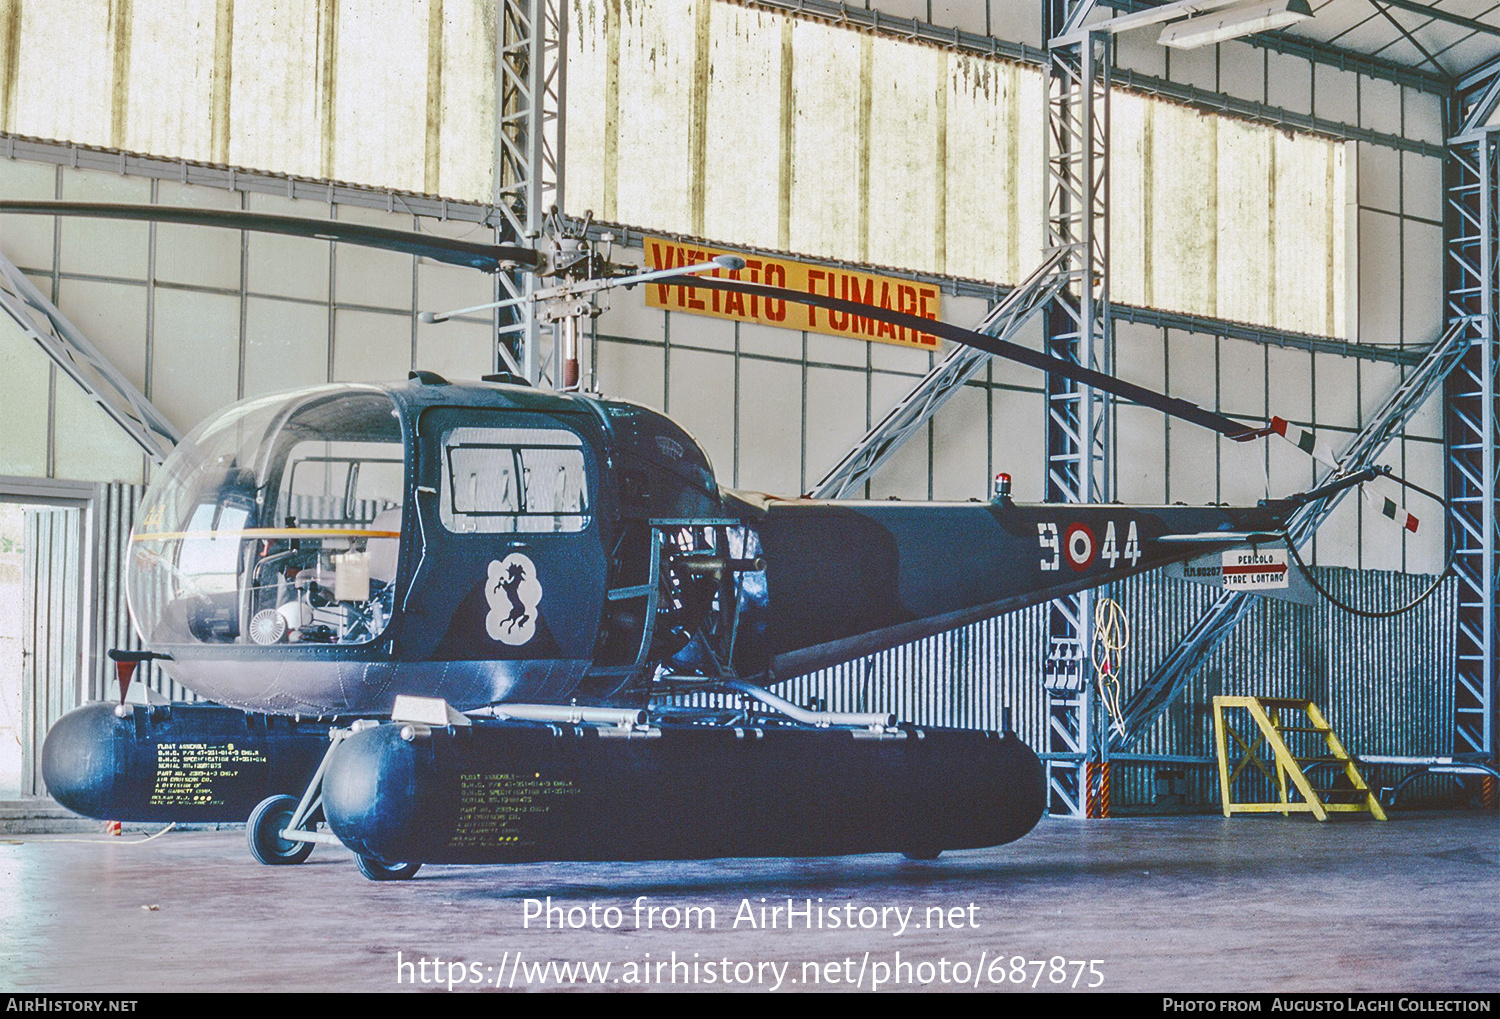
(276, 522)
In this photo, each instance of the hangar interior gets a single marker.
(1290, 222)
(1297, 222)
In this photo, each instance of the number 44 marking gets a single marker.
(1110, 552)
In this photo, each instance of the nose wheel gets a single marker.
(375, 870)
(263, 831)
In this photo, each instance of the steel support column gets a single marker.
(1473, 182)
(1078, 329)
(530, 96)
(65, 343)
(962, 363)
(1171, 674)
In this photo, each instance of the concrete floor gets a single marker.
(1185, 904)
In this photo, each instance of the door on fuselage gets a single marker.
(510, 566)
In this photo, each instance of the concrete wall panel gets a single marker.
(1337, 381)
(960, 447)
(1421, 281)
(1018, 416)
(1190, 451)
(23, 425)
(907, 475)
(702, 331)
(286, 345)
(1379, 105)
(1422, 186)
(1242, 368)
(456, 350)
(195, 363)
(1337, 542)
(631, 371)
(1289, 82)
(370, 345)
(442, 287)
(287, 266)
(1290, 393)
(836, 418)
(87, 444)
(1242, 473)
(697, 384)
(1140, 461)
(1379, 278)
(1192, 367)
(368, 277)
(28, 240)
(1020, 20)
(1336, 94)
(770, 427)
(113, 317)
(1199, 67)
(192, 255)
(105, 247)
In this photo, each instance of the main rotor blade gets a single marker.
(1000, 348)
(485, 257)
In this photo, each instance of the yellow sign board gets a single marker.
(909, 296)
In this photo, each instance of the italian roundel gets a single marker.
(514, 592)
(1079, 546)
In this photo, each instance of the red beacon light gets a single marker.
(1002, 487)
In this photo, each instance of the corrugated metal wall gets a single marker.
(53, 628)
(763, 129)
(114, 515)
(398, 94)
(1386, 685)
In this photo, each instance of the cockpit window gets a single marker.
(513, 480)
(278, 522)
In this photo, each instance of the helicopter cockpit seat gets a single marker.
(385, 552)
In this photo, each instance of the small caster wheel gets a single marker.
(922, 854)
(377, 871)
(263, 831)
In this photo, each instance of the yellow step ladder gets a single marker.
(1268, 714)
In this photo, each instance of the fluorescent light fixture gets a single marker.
(1246, 19)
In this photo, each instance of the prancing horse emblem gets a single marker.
(514, 593)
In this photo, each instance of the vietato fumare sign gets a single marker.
(923, 300)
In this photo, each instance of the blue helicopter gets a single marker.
(461, 621)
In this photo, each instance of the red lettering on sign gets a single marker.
(693, 258)
(753, 264)
(776, 277)
(924, 294)
(906, 303)
(813, 275)
(885, 328)
(861, 323)
(839, 319)
(663, 260)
